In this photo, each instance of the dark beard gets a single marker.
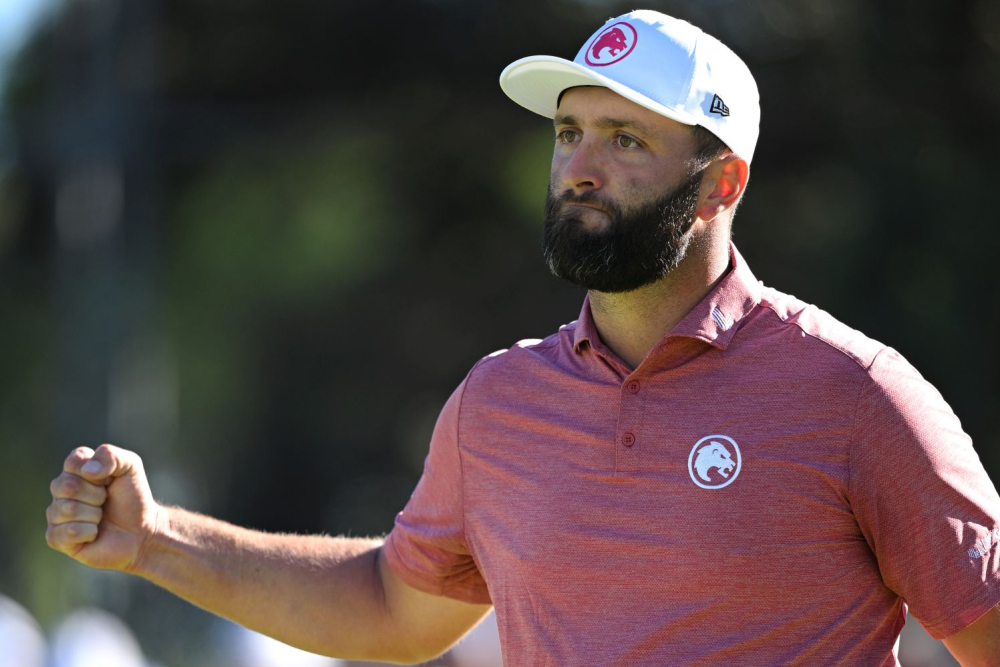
(640, 246)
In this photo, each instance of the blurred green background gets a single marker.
(261, 242)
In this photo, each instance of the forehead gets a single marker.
(589, 104)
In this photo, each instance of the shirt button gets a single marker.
(628, 439)
(633, 387)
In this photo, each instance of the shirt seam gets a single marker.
(539, 346)
(461, 462)
(826, 342)
(857, 416)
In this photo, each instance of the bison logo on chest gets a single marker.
(611, 45)
(714, 462)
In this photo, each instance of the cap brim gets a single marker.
(536, 82)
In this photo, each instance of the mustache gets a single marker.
(588, 198)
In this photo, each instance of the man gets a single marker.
(699, 471)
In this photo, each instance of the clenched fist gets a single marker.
(102, 512)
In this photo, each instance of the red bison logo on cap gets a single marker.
(611, 45)
(613, 39)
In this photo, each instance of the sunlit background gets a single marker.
(261, 242)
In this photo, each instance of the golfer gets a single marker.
(699, 470)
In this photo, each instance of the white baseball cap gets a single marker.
(664, 64)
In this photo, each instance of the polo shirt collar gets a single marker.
(714, 320)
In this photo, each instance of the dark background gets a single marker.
(261, 242)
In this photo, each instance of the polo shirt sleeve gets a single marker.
(427, 547)
(923, 501)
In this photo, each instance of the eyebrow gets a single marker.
(607, 123)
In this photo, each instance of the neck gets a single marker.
(632, 323)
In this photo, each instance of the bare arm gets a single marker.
(978, 645)
(327, 595)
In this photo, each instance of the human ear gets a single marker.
(725, 180)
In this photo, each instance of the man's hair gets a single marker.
(708, 147)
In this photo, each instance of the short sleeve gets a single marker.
(427, 547)
(923, 500)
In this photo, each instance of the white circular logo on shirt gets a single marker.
(714, 461)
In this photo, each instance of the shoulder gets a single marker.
(527, 351)
(822, 337)
(895, 411)
(884, 371)
(523, 367)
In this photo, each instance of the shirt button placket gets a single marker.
(629, 417)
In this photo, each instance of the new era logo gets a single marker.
(719, 107)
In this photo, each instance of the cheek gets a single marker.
(556, 167)
(638, 189)
(648, 184)
(555, 178)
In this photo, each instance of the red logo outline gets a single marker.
(601, 40)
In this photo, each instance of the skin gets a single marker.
(978, 645)
(336, 596)
(333, 596)
(624, 152)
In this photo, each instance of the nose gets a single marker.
(580, 169)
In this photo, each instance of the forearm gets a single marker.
(978, 645)
(322, 594)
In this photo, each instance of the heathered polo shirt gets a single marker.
(767, 487)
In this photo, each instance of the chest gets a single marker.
(678, 482)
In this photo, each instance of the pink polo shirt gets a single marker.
(768, 487)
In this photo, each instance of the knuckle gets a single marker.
(78, 456)
(65, 509)
(81, 453)
(61, 511)
(86, 532)
(68, 485)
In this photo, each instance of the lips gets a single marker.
(583, 205)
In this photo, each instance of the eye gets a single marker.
(625, 141)
(567, 136)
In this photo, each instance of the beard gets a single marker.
(642, 243)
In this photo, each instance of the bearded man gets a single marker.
(698, 471)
